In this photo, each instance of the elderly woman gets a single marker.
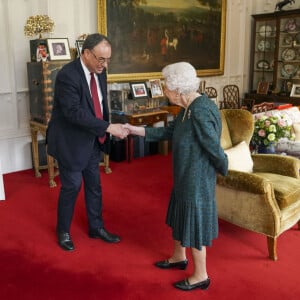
(197, 157)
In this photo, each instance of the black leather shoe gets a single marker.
(165, 264)
(64, 241)
(101, 233)
(186, 286)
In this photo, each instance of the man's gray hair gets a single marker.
(182, 77)
(93, 40)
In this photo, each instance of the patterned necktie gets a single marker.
(96, 102)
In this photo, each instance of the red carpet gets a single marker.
(32, 266)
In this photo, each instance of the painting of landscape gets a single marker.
(146, 35)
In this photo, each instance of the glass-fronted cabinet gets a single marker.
(264, 52)
(275, 57)
(288, 53)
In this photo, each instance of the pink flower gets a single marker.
(261, 133)
(281, 123)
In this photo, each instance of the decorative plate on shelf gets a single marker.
(289, 54)
(263, 64)
(287, 40)
(289, 70)
(290, 25)
(264, 45)
(265, 30)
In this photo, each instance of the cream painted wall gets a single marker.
(73, 18)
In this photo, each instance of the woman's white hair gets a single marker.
(182, 77)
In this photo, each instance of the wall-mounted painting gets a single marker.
(148, 35)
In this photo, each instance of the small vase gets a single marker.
(263, 149)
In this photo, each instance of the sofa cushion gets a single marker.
(239, 158)
(286, 189)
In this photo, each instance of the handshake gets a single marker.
(123, 130)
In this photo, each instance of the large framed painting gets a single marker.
(148, 35)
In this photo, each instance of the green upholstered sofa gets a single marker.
(265, 201)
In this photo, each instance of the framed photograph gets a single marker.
(39, 50)
(79, 44)
(138, 90)
(148, 35)
(116, 100)
(295, 92)
(156, 88)
(263, 87)
(59, 49)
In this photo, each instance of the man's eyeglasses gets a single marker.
(101, 60)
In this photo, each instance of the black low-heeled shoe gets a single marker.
(165, 264)
(186, 286)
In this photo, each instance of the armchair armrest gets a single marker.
(278, 164)
(243, 181)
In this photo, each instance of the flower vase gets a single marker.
(263, 149)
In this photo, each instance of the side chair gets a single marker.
(262, 107)
(231, 97)
(212, 93)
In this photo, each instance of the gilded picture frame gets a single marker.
(146, 37)
(263, 87)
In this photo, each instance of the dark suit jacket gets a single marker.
(73, 127)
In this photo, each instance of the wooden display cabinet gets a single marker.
(275, 56)
(41, 79)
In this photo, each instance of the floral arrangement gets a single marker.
(36, 25)
(269, 129)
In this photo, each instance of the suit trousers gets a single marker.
(71, 182)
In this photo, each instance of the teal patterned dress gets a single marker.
(197, 158)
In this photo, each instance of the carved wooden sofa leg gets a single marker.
(272, 247)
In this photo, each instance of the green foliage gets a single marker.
(270, 129)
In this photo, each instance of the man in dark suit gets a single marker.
(78, 131)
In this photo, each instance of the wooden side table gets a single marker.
(35, 128)
(148, 118)
(172, 109)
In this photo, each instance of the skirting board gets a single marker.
(2, 193)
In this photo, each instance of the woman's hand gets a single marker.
(135, 130)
